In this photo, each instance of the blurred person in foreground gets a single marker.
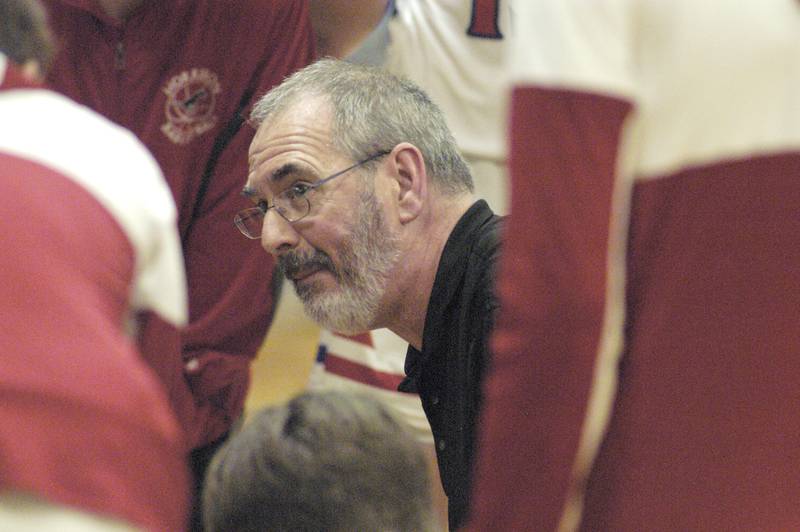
(87, 437)
(325, 461)
(181, 75)
(647, 355)
(361, 194)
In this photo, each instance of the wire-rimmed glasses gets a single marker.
(293, 204)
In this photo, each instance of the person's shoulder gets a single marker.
(78, 142)
(101, 138)
(74, 126)
(488, 235)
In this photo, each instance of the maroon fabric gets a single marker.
(83, 421)
(704, 433)
(552, 290)
(706, 415)
(175, 73)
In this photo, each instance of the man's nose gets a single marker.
(278, 235)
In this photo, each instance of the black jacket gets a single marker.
(447, 373)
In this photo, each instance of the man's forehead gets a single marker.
(305, 131)
(298, 113)
(312, 118)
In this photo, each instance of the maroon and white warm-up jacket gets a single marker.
(179, 74)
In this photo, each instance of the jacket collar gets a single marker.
(447, 285)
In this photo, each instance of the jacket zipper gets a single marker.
(119, 56)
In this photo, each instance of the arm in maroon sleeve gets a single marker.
(228, 276)
(552, 286)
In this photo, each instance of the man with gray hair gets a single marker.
(325, 461)
(362, 195)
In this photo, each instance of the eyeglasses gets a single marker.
(293, 204)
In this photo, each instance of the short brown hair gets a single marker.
(24, 33)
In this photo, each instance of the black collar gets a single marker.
(446, 286)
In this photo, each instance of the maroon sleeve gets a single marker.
(229, 276)
(551, 283)
(247, 47)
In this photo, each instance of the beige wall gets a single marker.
(284, 362)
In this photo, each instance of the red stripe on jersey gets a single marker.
(484, 21)
(552, 284)
(362, 338)
(360, 373)
(706, 431)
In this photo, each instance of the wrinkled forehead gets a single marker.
(298, 112)
(296, 142)
(305, 126)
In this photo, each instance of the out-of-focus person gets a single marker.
(647, 354)
(181, 75)
(325, 461)
(87, 436)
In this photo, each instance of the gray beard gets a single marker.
(366, 261)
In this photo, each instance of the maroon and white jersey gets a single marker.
(371, 363)
(457, 51)
(89, 234)
(647, 352)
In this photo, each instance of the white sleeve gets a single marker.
(579, 44)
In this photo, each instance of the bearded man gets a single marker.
(363, 197)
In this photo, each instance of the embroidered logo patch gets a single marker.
(191, 103)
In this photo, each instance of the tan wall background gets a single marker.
(284, 361)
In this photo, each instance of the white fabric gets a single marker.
(110, 163)
(674, 125)
(20, 513)
(387, 355)
(463, 74)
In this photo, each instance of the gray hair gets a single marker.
(325, 461)
(374, 110)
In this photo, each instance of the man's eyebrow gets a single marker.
(283, 171)
(275, 176)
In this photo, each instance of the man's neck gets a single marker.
(119, 10)
(413, 282)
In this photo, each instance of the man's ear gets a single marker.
(412, 178)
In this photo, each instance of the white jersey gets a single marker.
(456, 51)
(89, 235)
(370, 363)
(648, 341)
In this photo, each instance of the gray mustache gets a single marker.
(292, 263)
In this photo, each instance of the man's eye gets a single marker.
(263, 205)
(297, 190)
